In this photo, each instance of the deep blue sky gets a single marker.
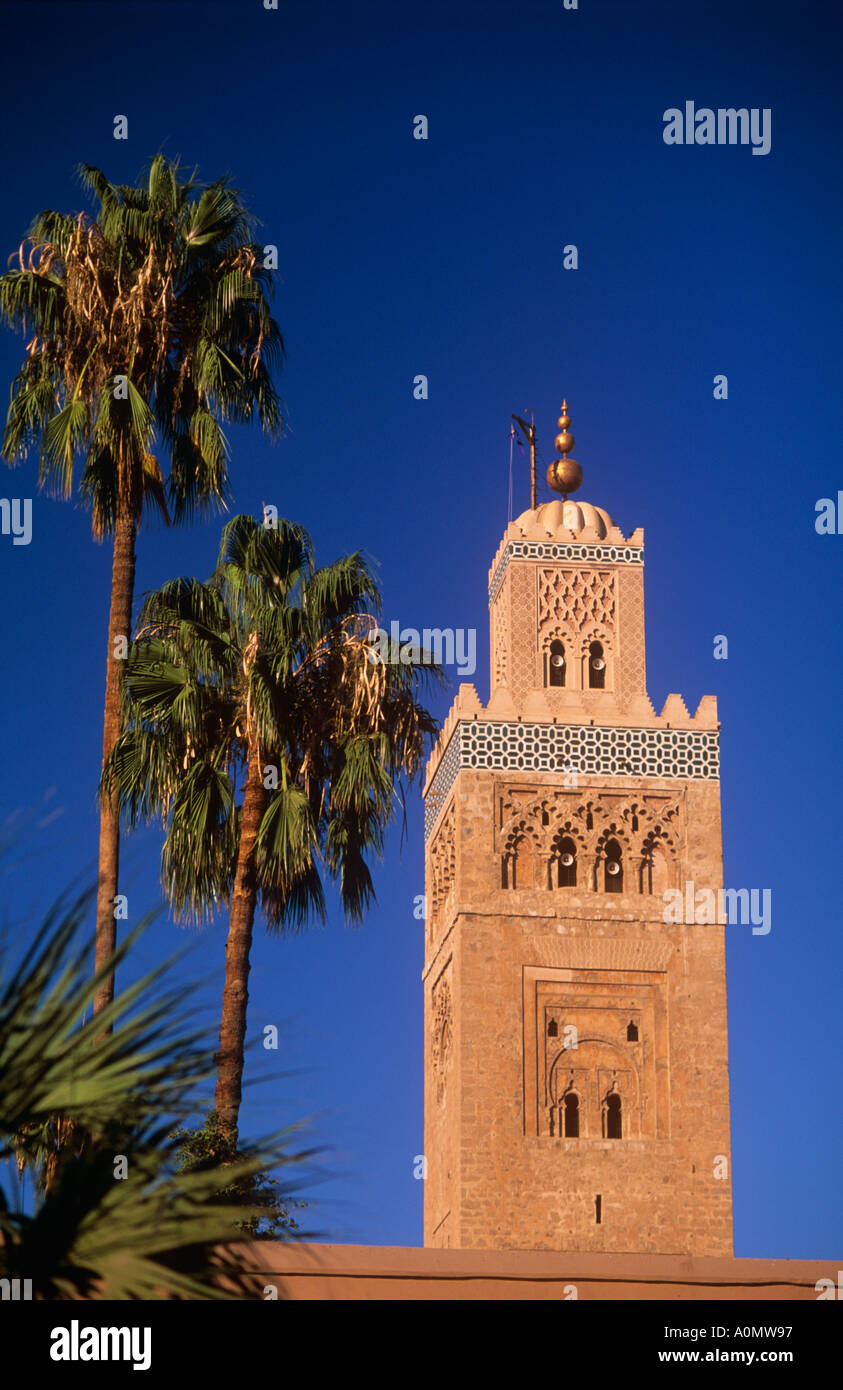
(444, 257)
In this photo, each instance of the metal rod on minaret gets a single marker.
(529, 433)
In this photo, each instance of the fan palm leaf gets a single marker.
(148, 328)
(75, 1109)
(260, 732)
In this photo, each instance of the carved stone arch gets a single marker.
(548, 639)
(522, 857)
(601, 876)
(596, 634)
(658, 836)
(564, 1074)
(570, 1087)
(637, 816)
(589, 636)
(659, 859)
(593, 811)
(597, 1054)
(615, 831)
(569, 1113)
(572, 831)
(560, 875)
(526, 822)
(544, 811)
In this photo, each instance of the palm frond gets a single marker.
(160, 1231)
(164, 285)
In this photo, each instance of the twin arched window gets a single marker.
(556, 668)
(569, 1116)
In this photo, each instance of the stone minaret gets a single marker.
(576, 1079)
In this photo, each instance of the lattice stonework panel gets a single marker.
(571, 600)
(523, 673)
(684, 754)
(630, 675)
(500, 639)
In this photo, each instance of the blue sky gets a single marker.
(444, 257)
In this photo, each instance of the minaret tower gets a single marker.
(576, 1081)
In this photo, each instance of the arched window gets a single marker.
(613, 868)
(571, 1116)
(612, 1123)
(566, 863)
(596, 666)
(518, 866)
(654, 867)
(632, 1033)
(524, 867)
(552, 1028)
(554, 664)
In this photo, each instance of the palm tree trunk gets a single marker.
(119, 625)
(235, 996)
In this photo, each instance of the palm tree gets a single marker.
(262, 682)
(149, 327)
(150, 1228)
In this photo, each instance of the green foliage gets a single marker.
(147, 325)
(269, 1214)
(74, 1099)
(267, 665)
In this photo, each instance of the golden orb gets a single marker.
(564, 475)
(564, 442)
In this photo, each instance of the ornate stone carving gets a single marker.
(589, 749)
(536, 550)
(442, 1023)
(572, 600)
(531, 829)
(630, 674)
(442, 869)
(500, 640)
(523, 675)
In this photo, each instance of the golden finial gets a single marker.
(564, 474)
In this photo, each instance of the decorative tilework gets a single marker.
(686, 754)
(442, 783)
(557, 550)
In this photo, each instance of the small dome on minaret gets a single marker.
(557, 518)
